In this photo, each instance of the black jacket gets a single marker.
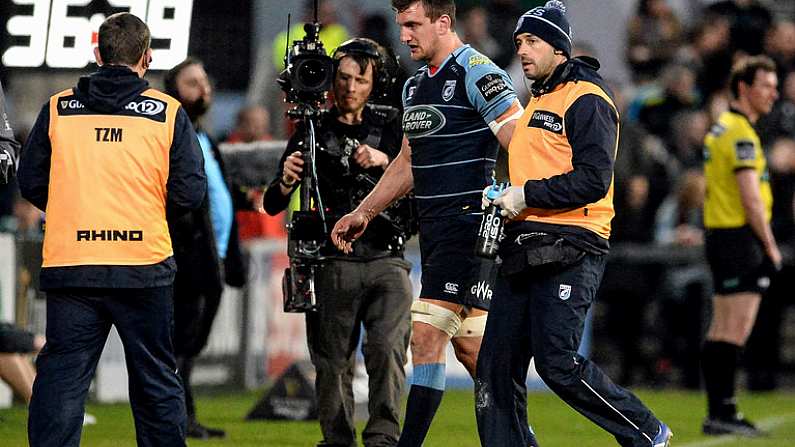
(339, 184)
(8, 144)
(108, 91)
(591, 129)
(195, 249)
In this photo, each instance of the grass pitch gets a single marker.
(555, 423)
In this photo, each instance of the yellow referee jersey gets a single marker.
(730, 145)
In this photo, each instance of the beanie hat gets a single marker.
(549, 23)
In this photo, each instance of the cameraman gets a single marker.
(8, 145)
(371, 285)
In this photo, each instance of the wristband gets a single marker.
(285, 184)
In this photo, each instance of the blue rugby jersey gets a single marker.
(446, 118)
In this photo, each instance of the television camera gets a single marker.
(306, 80)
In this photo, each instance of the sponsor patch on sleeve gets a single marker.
(745, 150)
(491, 85)
(478, 59)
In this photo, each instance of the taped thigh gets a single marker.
(437, 316)
(472, 327)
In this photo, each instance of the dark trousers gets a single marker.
(541, 313)
(78, 322)
(376, 294)
(194, 313)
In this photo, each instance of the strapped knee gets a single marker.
(437, 316)
(472, 327)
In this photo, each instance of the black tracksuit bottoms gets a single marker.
(78, 323)
(540, 313)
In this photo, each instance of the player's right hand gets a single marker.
(293, 168)
(348, 229)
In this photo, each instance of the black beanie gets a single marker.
(549, 23)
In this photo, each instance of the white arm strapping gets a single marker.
(496, 126)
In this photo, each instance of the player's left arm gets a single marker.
(491, 92)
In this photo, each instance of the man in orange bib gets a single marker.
(107, 160)
(561, 159)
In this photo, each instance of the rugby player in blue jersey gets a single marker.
(459, 108)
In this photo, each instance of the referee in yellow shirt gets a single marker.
(741, 250)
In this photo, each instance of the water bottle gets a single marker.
(490, 231)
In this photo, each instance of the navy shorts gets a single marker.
(737, 261)
(450, 270)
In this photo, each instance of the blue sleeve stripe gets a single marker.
(451, 135)
(452, 106)
(455, 194)
(454, 163)
(501, 100)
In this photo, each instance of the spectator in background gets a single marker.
(686, 143)
(378, 28)
(476, 32)
(749, 21)
(780, 45)
(332, 33)
(684, 289)
(253, 123)
(653, 37)
(624, 290)
(502, 16)
(709, 55)
(205, 241)
(677, 94)
(780, 123)
(764, 347)
(15, 368)
(680, 218)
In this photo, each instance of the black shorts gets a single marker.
(450, 270)
(15, 340)
(738, 261)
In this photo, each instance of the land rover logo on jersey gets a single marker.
(146, 107)
(543, 119)
(449, 90)
(421, 121)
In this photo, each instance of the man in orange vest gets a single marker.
(107, 160)
(561, 159)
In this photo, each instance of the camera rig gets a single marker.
(306, 80)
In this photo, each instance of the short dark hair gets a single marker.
(364, 52)
(170, 79)
(745, 71)
(433, 8)
(122, 39)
